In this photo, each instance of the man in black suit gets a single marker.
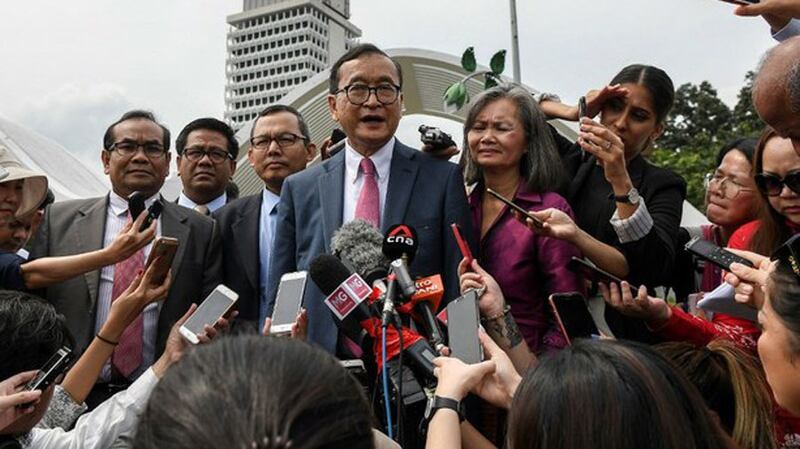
(279, 146)
(136, 158)
(207, 151)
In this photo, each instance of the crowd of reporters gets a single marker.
(674, 377)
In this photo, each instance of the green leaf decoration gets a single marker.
(468, 60)
(498, 62)
(490, 82)
(455, 97)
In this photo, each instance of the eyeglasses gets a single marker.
(128, 148)
(724, 184)
(216, 156)
(283, 140)
(358, 94)
(772, 185)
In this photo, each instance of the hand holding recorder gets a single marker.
(130, 239)
(749, 282)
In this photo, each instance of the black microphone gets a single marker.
(400, 242)
(359, 245)
(346, 295)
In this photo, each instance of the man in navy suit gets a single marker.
(375, 178)
(280, 144)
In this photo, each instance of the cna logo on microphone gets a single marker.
(347, 296)
(401, 234)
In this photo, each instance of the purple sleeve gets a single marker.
(555, 254)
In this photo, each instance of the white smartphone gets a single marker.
(214, 307)
(288, 302)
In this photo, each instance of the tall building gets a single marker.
(275, 45)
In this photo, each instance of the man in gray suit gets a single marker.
(375, 178)
(136, 157)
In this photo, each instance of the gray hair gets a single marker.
(540, 166)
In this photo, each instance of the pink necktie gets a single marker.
(368, 206)
(128, 354)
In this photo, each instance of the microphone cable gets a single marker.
(386, 401)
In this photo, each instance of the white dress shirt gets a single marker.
(212, 206)
(116, 217)
(354, 178)
(113, 419)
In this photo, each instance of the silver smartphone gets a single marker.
(463, 319)
(288, 302)
(214, 307)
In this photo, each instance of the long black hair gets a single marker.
(252, 391)
(609, 395)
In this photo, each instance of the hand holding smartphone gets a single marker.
(288, 302)
(536, 221)
(55, 366)
(214, 307)
(573, 317)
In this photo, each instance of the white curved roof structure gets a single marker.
(68, 177)
(426, 75)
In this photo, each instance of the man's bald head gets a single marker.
(776, 90)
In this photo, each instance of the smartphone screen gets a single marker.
(462, 327)
(212, 308)
(462, 244)
(288, 301)
(572, 315)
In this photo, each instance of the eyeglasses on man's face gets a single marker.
(284, 140)
(359, 93)
(127, 148)
(216, 156)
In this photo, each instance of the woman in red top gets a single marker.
(777, 168)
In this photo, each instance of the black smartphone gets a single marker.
(136, 207)
(153, 212)
(463, 319)
(511, 204)
(714, 254)
(594, 274)
(572, 315)
(55, 366)
(742, 2)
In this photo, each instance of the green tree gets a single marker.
(699, 124)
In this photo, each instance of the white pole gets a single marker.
(515, 41)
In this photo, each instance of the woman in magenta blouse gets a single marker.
(511, 150)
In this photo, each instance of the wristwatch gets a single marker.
(632, 197)
(437, 402)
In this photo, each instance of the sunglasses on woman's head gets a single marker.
(789, 253)
(772, 185)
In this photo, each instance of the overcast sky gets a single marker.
(70, 68)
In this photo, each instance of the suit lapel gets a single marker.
(331, 193)
(173, 224)
(246, 225)
(91, 217)
(402, 175)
